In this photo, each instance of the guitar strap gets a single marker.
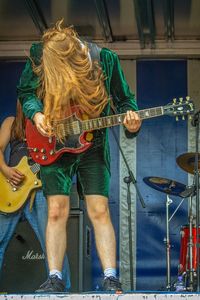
(32, 198)
(95, 55)
(94, 51)
(113, 108)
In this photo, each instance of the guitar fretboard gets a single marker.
(113, 120)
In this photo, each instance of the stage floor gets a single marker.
(104, 296)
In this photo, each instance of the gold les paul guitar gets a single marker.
(13, 198)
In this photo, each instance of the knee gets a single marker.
(100, 213)
(58, 212)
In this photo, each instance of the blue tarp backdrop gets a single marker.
(159, 143)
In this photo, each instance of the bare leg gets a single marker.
(58, 212)
(98, 211)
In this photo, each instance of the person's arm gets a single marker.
(27, 87)
(123, 98)
(13, 175)
(26, 91)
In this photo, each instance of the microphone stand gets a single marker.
(195, 123)
(128, 180)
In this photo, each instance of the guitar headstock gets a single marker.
(181, 107)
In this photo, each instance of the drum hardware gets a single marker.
(196, 123)
(190, 286)
(169, 187)
(190, 162)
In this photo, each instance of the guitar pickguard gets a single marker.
(70, 142)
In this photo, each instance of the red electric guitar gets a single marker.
(45, 150)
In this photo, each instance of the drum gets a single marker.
(184, 263)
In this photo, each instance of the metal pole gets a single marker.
(168, 246)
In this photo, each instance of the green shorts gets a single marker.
(93, 176)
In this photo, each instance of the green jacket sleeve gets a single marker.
(121, 94)
(28, 85)
(117, 86)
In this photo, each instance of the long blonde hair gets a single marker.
(68, 76)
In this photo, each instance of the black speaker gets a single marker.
(24, 268)
(79, 251)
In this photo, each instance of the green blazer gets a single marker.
(115, 83)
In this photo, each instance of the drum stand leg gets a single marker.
(168, 246)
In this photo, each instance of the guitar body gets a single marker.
(12, 200)
(45, 150)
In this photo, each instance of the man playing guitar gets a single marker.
(62, 73)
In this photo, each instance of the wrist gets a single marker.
(4, 169)
(36, 116)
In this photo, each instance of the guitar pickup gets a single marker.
(60, 130)
(76, 127)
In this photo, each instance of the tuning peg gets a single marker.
(177, 119)
(183, 117)
(188, 98)
(181, 99)
(191, 106)
(174, 100)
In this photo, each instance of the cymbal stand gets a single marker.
(190, 248)
(195, 122)
(168, 245)
(167, 240)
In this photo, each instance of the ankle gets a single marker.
(110, 272)
(55, 272)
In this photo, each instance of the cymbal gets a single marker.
(165, 185)
(186, 161)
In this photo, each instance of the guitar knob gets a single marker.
(44, 157)
(43, 150)
(35, 182)
(51, 152)
(14, 189)
(35, 150)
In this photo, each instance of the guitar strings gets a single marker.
(68, 127)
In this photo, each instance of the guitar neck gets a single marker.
(118, 119)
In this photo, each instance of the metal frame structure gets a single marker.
(125, 50)
(168, 7)
(145, 22)
(36, 15)
(104, 20)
